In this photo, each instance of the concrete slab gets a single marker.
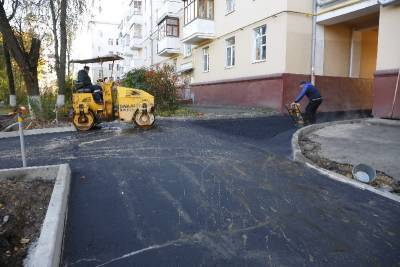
(377, 145)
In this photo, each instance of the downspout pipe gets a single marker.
(395, 94)
(314, 41)
(151, 33)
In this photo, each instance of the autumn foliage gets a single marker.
(158, 81)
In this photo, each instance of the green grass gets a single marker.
(179, 112)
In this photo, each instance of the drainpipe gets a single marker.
(395, 94)
(151, 33)
(314, 41)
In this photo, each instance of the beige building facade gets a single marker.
(254, 53)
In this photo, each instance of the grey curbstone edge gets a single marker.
(298, 155)
(38, 131)
(47, 251)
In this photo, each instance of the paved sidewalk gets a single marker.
(216, 111)
(373, 142)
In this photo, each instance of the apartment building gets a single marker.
(105, 41)
(139, 33)
(100, 37)
(254, 53)
(357, 55)
(246, 52)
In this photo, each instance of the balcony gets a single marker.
(168, 46)
(199, 21)
(136, 19)
(338, 11)
(136, 42)
(170, 8)
(198, 30)
(185, 67)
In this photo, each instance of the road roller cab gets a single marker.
(128, 105)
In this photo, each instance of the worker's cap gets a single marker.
(86, 68)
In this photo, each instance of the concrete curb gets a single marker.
(298, 155)
(38, 131)
(47, 251)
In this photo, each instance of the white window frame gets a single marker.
(257, 37)
(229, 6)
(230, 52)
(187, 50)
(137, 7)
(206, 59)
(110, 41)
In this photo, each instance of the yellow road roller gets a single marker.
(128, 105)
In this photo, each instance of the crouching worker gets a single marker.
(84, 79)
(315, 100)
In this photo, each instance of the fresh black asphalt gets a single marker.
(209, 193)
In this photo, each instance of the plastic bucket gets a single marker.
(364, 173)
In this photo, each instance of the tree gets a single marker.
(25, 55)
(10, 75)
(60, 53)
(65, 17)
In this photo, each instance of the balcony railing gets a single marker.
(170, 8)
(198, 30)
(168, 46)
(136, 42)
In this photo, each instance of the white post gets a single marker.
(60, 101)
(13, 100)
(21, 138)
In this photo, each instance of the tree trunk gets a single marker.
(10, 75)
(27, 61)
(60, 52)
(63, 50)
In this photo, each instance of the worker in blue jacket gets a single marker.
(315, 100)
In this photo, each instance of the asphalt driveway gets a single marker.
(209, 193)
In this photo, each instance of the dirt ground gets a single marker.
(23, 206)
(311, 151)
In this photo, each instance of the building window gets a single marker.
(230, 52)
(110, 66)
(175, 64)
(206, 59)
(193, 9)
(110, 41)
(137, 7)
(260, 35)
(230, 6)
(168, 27)
(137, 31)
(116, 41)
(187, 50)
